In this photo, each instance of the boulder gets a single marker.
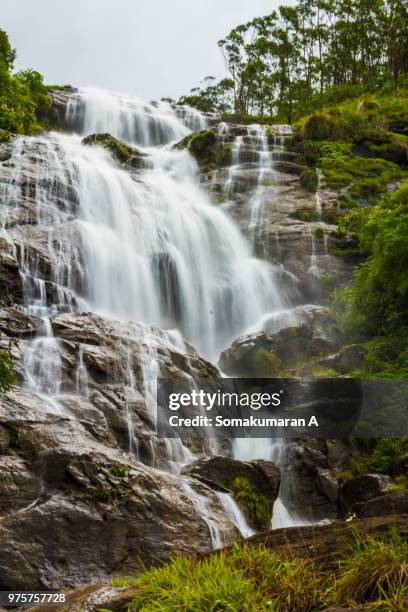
(383, 505)
(131, 157)
(219, 472)
(77, 509)
(363, 488)
(326, 543)
(309, 486)
(275, 354)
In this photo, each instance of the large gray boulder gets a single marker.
(363, 488)
(221, 471)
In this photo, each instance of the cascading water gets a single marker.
(147, 246)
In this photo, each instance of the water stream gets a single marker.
(147, 246)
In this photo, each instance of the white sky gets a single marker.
(152, 48)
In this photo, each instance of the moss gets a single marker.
(327, 282)
(119, 149)
(319, 231)
(343, 476)
(103, 494)
(307, 214)
(316, 127)
(330, 216)
(7, 375)
(5, 136)
(120, 471)
(320, 372)
(308, 179)
(207, 150)
(267, 363)
(256, 508)
(368, 105)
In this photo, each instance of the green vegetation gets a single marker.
(308, 179)
(372, 571)
(383, 458)
(117, 147)
(267, 363)
(256, 508)
(23, 96)
(7, 376)
(203, 145)
(374, 309)
(303, 58)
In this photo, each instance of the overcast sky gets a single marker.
(152, 48)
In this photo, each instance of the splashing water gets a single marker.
(146, 246)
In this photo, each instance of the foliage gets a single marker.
(371, 568)
(7, 375)
(376, 303)
(387, 453)
(210, 96)
(246, 578)
(22, 96)
(301, 58)
(250, 578)
(308, 179)
(256, 508)
(382, 459)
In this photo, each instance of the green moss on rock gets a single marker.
(308, 179)
(119, 149)
(256, 508)
(266, 362)
(207, 150)
(5, 136)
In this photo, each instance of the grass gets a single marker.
(245, 578)
(372, 571)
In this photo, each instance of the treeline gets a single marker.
(23, 96)
(301, 56)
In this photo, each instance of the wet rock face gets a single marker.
(66, 471)
(288, 339)
(383, 505)
(288, 222)
(55, 115)
(309, 483)
(221, 471)
(362, 489)
(75, 507)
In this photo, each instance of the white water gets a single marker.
(149, 247)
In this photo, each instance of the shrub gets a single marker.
(308, 179)
(22, 96)
(387, 453)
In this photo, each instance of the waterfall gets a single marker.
(146, 246)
